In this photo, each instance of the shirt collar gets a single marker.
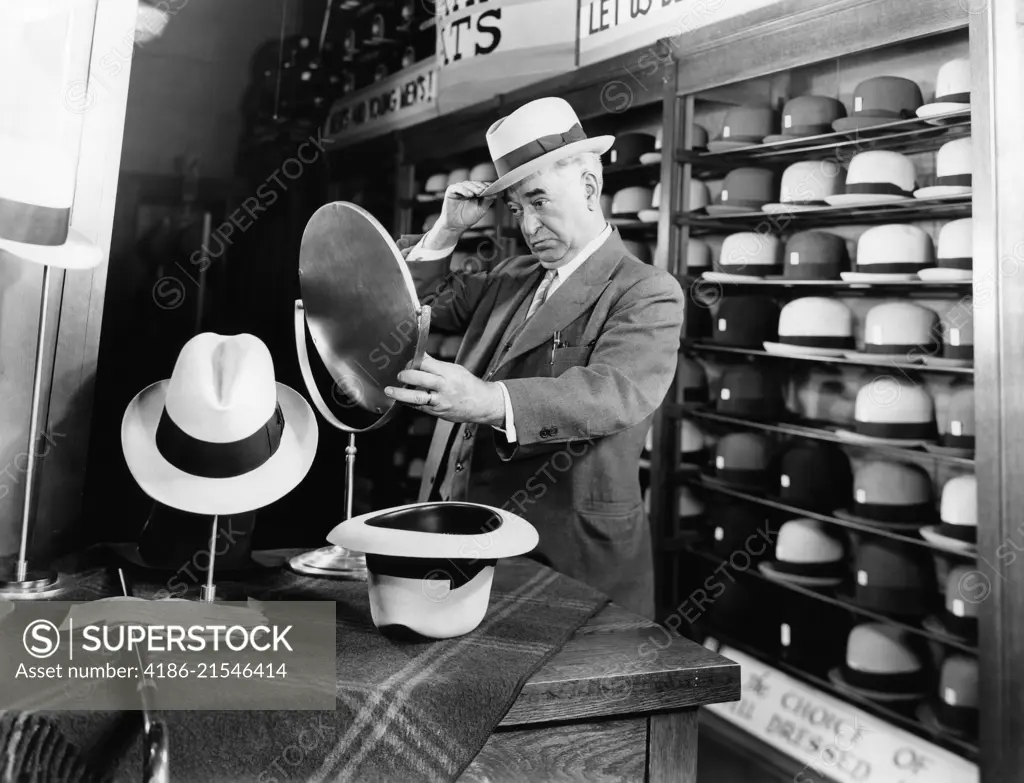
(563, 272)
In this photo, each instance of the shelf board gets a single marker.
(703, 347)
(634, 226)
(892, 212)
(652, 170)
(906, 136)
(832, 600)
(827, 519)
(961, 748)
(778, 286)
(815, 433)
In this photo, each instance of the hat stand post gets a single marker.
(28, 583)
(334, 561)
(209, 593)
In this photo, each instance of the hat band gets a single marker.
(909, 430)
(745, 477)
(804, 271)
(953, 97)
(965, 533)
(818, 341)
(902, 682)
(966, 627)
(877, 189)
(957, 441)
(957, 351)
(956, 263)
(751, 407)
(835, 569)
(929, 348)
(457, 572)
(219, 460)
(891, 512)
(954, 179)
(695, 394)
(33, 224)
(910, 267)
(698, 457)
(908, 601)
(962, 719)
(532, 150)
(807, 130)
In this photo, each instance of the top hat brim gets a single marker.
(598, 144)
(250, 491)
(513, 537)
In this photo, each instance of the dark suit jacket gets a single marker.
(581, 411)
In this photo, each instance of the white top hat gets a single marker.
(893, 249)
(955, 254)
(221, 436)
(953, 166)
(877, 176)
(651, 215)
(534, 136)
(952, 89)
(629, 202)
(750, 253)
(816, 322)
(807, 184)
(901, 329)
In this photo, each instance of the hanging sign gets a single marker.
(830, 737)
(405, 98)
(489, 47)
(608, 28)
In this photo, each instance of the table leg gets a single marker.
(672, 747)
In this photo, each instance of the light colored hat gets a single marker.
(954, 163)
(430, 565)
(806, 185)
(892, 249)
(651, 215)
(699, 196)
(901, 329)
(436, 183)
(816, 322)
(806, 551)
(891, 408)
(877, 176)
(483, 172)
(955, 255)
(456, 176)
(534, 136)
(629, 202)
(952, 89)
(750, 253)
(221, 436)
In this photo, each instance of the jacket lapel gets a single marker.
(571, 299)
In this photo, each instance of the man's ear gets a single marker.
(593, 190)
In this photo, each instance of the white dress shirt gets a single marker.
(419, 253)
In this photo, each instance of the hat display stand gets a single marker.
(379, 299)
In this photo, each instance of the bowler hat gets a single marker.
(880, 100)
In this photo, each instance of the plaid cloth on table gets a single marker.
(406, 711)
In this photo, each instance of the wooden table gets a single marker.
(618, 703)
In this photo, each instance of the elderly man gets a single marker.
(567, 354)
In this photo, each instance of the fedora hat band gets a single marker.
(219, 460)
(532, 150)
(963, 180)
(910, 430)
(956, 263)
(877, 189)
(33, 224)
(894, 512)
(954, 97)
(886, 682)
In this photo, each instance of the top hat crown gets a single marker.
(815, 255)
(880, 100)
(808, 115)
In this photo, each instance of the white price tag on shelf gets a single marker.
(833, 738)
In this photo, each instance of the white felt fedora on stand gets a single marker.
(221, 436)
(534, 136)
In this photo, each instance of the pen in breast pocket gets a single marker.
(556, 342)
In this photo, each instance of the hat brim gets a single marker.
(173, 487)
(944, 275)
(782, 209)
(598, 144)
(933, 110)
(77, 252)
(735, 143)
(932, 535)
(515, 536)
(648, 215)
(650, 158)
(863, 199)
(849, 516)
(942, 191)
(862, 121)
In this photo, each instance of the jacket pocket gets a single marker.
(618, 531)
(563, 359)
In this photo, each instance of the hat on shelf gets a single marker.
(744, 190)
(435, 187)
(823, 396)
(457, 175)
(700, 143)
(881, 100)
(651, 215)
(629, 202)
(959, 515)
(876, 177)
(807, 115)
(807, 553)
(812, 634)
(883, 663)
(699, 196)
(689, 508)
(746, 321)
(813, 475)
(952, 89)
(814, 326)
(691, 381)
(743, 459)
(430, 220)
(750, 392)
(698, 256)
(956, 422)
(894, 495)
(955, 708)
(606, 204)
(221, 436)
(700, 138)
(958, 334)
(892, 410)
(901, 329)
(959, 617)
(641, 250)
(628, 148)
(534, 136)
(653, 156)
(744, 126)
(736, 526)
(891, 252)
(483, 172)
(893, 578)
(954, 164)
(693, 446)
(450, 346)
(954, 258)
(749, 254)
(806, 185)
(419, 574)
(815, 255)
